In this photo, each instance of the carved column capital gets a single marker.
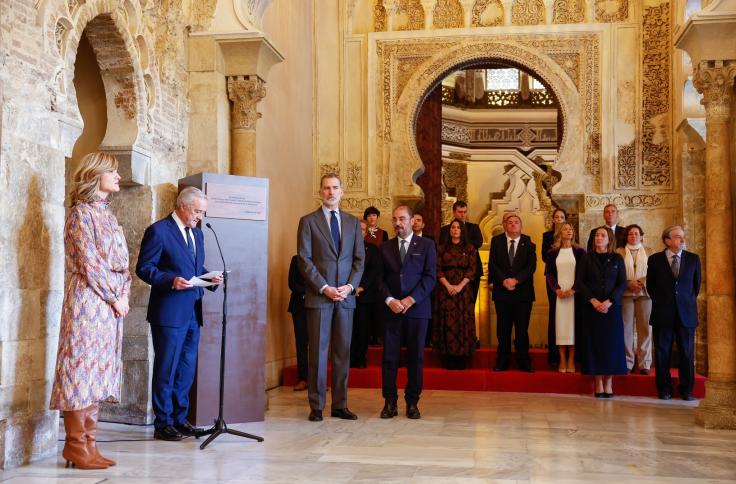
(245, 92)
(391, 6)
(715, 80)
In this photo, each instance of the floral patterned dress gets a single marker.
(453, 317)
(89, 363)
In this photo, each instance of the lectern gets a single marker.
(238, 211)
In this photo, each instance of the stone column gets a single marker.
(467, 12)
(428, 6)
(507, 7)
(390, 6)
(245, 92)
(549, 8)
(715, 81)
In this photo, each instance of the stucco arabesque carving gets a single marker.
(63, 23)
(567, 12)
(715, 81)
(527, 12)
(632, 200)
(448, 14)
(578, 53)
(479, 17)
(611, 10)
(245, 92)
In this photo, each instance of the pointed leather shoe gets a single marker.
(412, 411)
(389, 410)
(343, 413)
(168, 433)
(315, 415)
(190, 430)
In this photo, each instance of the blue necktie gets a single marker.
(190, 243)
(402, 250)
(335, 230)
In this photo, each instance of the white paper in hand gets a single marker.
(196, 281)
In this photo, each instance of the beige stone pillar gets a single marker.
(245, 92)
(467, 12)
(715, 81)
(428, 6)
(390, 6)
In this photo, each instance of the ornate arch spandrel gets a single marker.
(408, 69)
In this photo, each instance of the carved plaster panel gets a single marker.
(487, 13)
(356, 205)
(635, 200)
(568, 12)
(328, 168)
(448, 14)
(626, 165)
(611, 10)
(527, 12)
(455, 176)
(656, 168)
(570, 62)
(409, 15)
(354, 176)
(379, 17)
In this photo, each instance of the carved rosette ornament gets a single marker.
(245, 92)
(715, 80)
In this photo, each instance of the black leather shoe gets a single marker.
(688, 397)
(190, 430)
(412, 411)
(500, 368)
(167, 433)
(343, 413)
(526, 369)
(665, 395)
(644, 371)
(599, 395)
(315, 415)
(389, 410)
(607, 395)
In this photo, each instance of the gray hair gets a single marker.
(187, 196)
(667, 233)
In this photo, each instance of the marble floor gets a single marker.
(463, 437)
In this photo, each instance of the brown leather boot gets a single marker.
(90, 431)
(75, 447)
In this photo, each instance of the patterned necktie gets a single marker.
(402, 250)
(335, 229)
(512, 252)
(675, 266)
(190, 243)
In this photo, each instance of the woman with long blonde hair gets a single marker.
(89, 363)
(562, 259)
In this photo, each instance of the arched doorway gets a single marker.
(489, 133)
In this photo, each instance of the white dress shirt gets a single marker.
(181, 226)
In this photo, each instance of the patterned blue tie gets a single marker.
(190, 243)
(335, 230)
(402, 250)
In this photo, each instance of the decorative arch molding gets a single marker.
(408, 69)
(127, 66)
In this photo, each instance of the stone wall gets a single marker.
(40, 122)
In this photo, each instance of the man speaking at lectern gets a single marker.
(172, 251)
(331, 254)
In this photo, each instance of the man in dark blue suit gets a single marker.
(673, 283)
(409, 275)
(511, 267)
(172, 251)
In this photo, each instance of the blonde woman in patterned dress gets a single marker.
(89, 364)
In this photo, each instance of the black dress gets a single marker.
(602, 276)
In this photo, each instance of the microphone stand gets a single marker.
(220, 427)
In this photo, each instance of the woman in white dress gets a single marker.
(560, 272)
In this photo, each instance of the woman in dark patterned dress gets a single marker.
(454, 314)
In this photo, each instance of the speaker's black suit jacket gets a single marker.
(674, 297)
(525, 263)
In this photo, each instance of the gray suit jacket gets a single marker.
(320, 262)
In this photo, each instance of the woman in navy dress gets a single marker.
(601, 282)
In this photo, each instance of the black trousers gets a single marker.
(361, 333)
(301, 338)
(416, 332)
(553, 352)
(685, 339)
(513, 315)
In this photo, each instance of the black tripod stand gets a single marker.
(220, 426)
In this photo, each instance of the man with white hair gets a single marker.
(172, 251)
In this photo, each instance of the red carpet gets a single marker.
(480, 377)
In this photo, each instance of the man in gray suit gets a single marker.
(331, 254)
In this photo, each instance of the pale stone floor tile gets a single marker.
(463, 437)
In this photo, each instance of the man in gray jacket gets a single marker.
(331, 254)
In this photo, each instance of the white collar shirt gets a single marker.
(182, 228)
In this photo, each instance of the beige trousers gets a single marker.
(636, 309)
